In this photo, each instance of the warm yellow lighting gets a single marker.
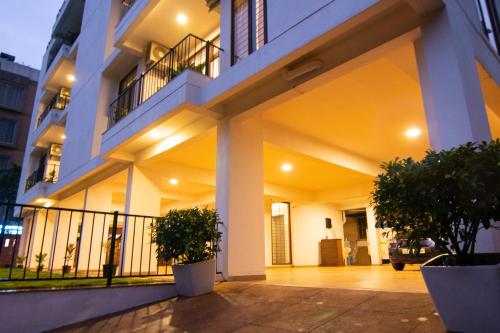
(181, 18)
(173, 181)
(286, 167)
(155, 134)
(70, 77)
(63, 136)
(413, 132)
(41, 200)
(48, 204)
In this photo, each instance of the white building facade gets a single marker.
(277, 113)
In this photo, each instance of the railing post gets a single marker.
(4, 225)
(207, 59)
(112, 250)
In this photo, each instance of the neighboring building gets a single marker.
(278, 113)
(17, 95)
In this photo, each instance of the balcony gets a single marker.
(47, 173)
(58, 102)
(147, 20)
(191, 53)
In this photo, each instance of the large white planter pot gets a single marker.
(466, 297)
(195, 279)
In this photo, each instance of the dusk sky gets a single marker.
(25, 27)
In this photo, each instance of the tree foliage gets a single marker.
(187, 235)
(448, 196)
(9, 182)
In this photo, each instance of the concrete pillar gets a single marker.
(240, 198)
(373, 242)
(451, 90)
(143, 198)
(94, 231)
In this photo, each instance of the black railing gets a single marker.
(58, 102)
(60, 243)
(48, 173)
(191, 53)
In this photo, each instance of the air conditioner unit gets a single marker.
(55, 150)
(156, 52)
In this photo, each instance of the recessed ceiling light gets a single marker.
(41, 200)
(286, 167)
(70, 77)
(413, 132)
(181, 18)
(155, 134)
(63, 136)
(173, 181)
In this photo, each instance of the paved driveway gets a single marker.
(376, 277)
(255, 307)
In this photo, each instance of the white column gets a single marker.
(240, 198)
(451, 90)
(94, 231)
(143, 198)
(373, 242)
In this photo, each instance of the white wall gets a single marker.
(308, 229)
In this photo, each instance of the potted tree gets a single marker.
(40, 259)
(70, 250)
(106, 268)
(189, 237)
(450, 196)
(20, 261)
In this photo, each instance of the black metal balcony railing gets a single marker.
(48, 173)
(191, 53)
(58, 102)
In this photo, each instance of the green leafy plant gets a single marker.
(40, 259)
(200, 68)
(20, 261)
(187, 235)
(70, 251)
(448, 197)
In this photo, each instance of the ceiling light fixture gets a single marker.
(70, 77)
(173, 181)
(155, 134)
(181, 18)
(63, 136)
(286, 167)
(413, 132)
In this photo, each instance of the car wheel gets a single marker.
(398, 266)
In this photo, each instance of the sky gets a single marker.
(25, 27)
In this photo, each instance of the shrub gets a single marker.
(187, 235)
(448, 196)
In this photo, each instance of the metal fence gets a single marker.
(190, 53)
(59, 243)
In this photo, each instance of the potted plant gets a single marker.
(70, 249)
(40, 259)
(449, 197)
(106, 268)
(189, 237)
(20, 261)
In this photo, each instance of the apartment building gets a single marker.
(276, 112)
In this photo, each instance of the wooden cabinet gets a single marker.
(331, 252)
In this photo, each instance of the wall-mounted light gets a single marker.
(413, 132)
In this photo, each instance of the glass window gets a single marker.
(8, 131)
(11, 96)
(249, 27)
(4, 162)
(488, 14)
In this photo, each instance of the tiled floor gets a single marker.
(254, 307)
(379, 278)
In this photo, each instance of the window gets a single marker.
(8, 129)
(280, 233)
(11, 96)
(248, 27)
(489, 16)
